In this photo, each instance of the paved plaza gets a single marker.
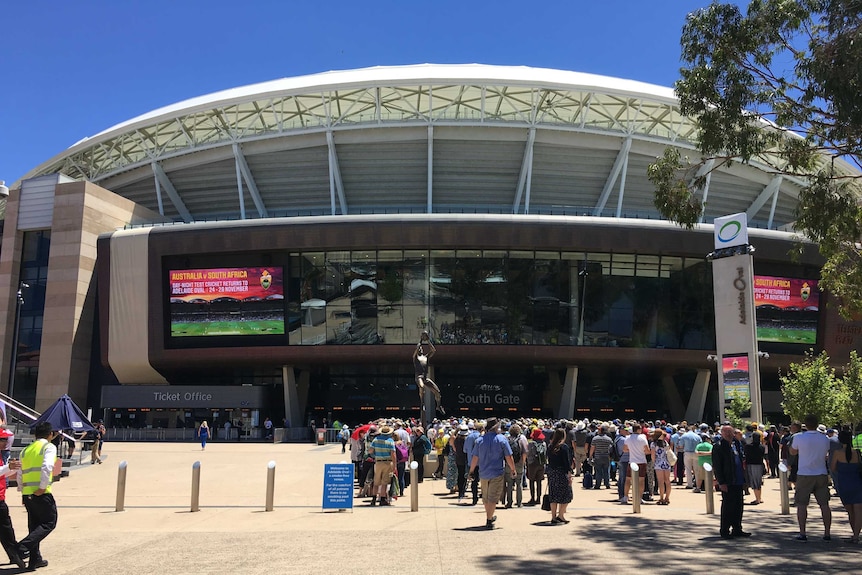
(232, 533)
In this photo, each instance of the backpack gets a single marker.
(401, 452)
(515, 444)
(541, 453)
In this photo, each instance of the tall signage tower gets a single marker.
(735, 323)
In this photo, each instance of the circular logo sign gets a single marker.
(729, 231)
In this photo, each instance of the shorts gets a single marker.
(535, 471)
(492, 489)
(641, 470)
(808, 484)
(382, 469)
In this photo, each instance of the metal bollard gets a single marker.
(637, 490)
(196, 486)
(121, 487)
(270, 485)
(709, 489)
(414, 486)
(784, 482)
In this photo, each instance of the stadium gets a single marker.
(285, 244)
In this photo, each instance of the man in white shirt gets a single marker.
(637, 447)
(812, 448)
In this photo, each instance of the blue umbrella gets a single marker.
(64, 414)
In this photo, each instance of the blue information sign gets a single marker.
(338, 486)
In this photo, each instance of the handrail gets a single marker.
(29, 413)
(22, 409)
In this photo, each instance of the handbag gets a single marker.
(546, 501)
(671, 457)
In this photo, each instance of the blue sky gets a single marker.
(72, 69)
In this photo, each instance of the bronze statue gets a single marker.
(420, 365)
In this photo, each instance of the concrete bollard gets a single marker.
(637, 490)
(121, 487)
(414, 486)
(270, 485)
(784, 482)
(196, 486)
(709, 489)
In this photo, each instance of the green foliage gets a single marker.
(851, 409)
(778, 83)
(391, 288)
(813, 387)
(737, 409)
(673, 198)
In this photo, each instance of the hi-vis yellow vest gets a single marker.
(31, 467)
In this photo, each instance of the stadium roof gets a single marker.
(424, 138)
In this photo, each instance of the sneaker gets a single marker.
(624, 500)
(802, 537)
(695, 490)
(36, 564)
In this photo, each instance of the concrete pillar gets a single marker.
(672, 396)
(567, 400)
(697, 403)
(291, 397)
(302, 392)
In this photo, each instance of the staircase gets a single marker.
(18, 419)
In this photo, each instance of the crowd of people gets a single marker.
(500, 461)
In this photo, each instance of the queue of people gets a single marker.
(500, 461)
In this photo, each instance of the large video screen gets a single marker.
(226, 301)
(737, 378)
(787, 309)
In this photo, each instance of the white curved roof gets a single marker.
(420, 74)
(408, 139)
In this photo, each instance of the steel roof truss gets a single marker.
(168, 186)
(706, 168)
(242, 167)
(336, 186)
(619, 162)
(770, 190)
(525, 177)
(623, 174)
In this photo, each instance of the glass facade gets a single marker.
(500, 297)
(34, 273)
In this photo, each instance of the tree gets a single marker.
(812, 387)
(737, 408)
(850, 410)
(778, 84)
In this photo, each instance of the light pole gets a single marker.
(583, 273)
(13, 364)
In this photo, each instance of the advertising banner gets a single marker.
(787, 309)
(338, 486)
(226, 301)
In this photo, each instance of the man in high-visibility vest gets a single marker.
(34, 479)
(7, 532)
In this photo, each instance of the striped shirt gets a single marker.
(382, 448)
(603, 445)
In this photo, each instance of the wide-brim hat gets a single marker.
(385, 430)
(537, 435)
